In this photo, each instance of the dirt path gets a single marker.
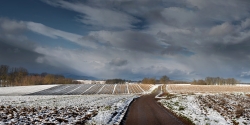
(146, 111)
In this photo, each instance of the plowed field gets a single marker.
(87, 89)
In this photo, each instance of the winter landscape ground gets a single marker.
(209, 105)
(108, 104)
(64, 109)
(68, 104)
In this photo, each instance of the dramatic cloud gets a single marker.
(184, 39)
(96, 16)
(245, 74)
(246, 23)
(118, 62)
(222, 29)
(11, 26)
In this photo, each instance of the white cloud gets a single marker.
(245, 24)
(53, 33)
(100, 63)
(245, 74)
(77, 60)
(221, 30)
(39, 28)
(158, 27)
(40, 59)
(11, 26)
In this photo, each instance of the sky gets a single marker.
(128, 39)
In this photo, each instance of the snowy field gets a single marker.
(77, 89)
(23, 90)
(86, 89)
(68, 104)
(64, 109)
(211, 109)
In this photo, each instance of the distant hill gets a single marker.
(78, 77)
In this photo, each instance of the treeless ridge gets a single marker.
(146, 111)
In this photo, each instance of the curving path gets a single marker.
(146, 111)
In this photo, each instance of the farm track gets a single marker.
(146, 111)
(88, 89)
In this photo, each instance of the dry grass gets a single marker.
(207, 88)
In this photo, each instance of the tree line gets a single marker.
(163, 80)
(19, 76)
(215, 81)
(207, 81)
(115, 81)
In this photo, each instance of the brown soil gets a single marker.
(146, 111)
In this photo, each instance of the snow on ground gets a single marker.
(197, 110)
(22, 90)
(246, 85)
(115, 117)
(151, 89)
(68, 109)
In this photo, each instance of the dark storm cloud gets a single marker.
(139, 42)
(126, 40)
(118, 62)
(236, 55)
(207, 31)
(19, 56)
(13, 54)
(182, 39)
(17, 50)
(237, 51)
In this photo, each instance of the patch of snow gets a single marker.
(127, 89)
(158, 95)
(101, 89)
(88, 88)
(141, 88)
(92, 109)
(114, 89)
(188, 106)
(23, 90)
(168, 89)
(246, 85)
(72, 90)
(152, 89)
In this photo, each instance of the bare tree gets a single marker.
(3, 74)
(149, 81)
(164, 79)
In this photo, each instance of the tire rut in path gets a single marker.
(146, 111)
